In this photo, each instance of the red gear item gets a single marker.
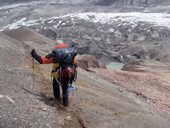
(61, 46)
(50, 60)
(68, 72)
(47, 60)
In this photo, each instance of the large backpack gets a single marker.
(64, 56)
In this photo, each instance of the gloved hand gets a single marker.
(33, 53)
(36, 56)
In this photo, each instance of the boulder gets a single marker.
(133, 66)
(86, 61)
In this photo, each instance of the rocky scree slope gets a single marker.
(21, 107)
(107, 106)
(148, 80)
(28, 102)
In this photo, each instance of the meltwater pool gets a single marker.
(114, 65)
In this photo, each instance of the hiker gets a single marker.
(63, 59)
(56, 69)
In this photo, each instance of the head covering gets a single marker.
(63, 45)
(59, 42)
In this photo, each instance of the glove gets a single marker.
(36, 56)
(33, 53)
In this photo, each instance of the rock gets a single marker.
(120, 90)
(88, 61)
(68, 118)
(44, 109)
(11, 100)
(131, 66)
(1, 96)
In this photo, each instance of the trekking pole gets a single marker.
(33, 73)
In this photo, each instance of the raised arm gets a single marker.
(48, 59)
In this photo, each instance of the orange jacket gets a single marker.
(46, 60)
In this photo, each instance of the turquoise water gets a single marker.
(114, 65)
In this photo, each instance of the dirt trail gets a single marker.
(96, 103)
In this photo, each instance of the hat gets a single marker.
(59, 42)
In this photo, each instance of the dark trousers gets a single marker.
(56, 90)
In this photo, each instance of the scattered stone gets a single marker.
(120, 90)
(12, 101)
(68, 118)
(1, 96)
(115, 113)
(48, 126)
(17, 73)
(44, 109)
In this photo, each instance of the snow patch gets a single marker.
(51, 21)
(20, 23)
(157, 19)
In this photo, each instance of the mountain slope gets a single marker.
(97, 103)
(118, 37)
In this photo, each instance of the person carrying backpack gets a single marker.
(64, 59)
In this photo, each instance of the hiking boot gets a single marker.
(65, 103)
(65, 100)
